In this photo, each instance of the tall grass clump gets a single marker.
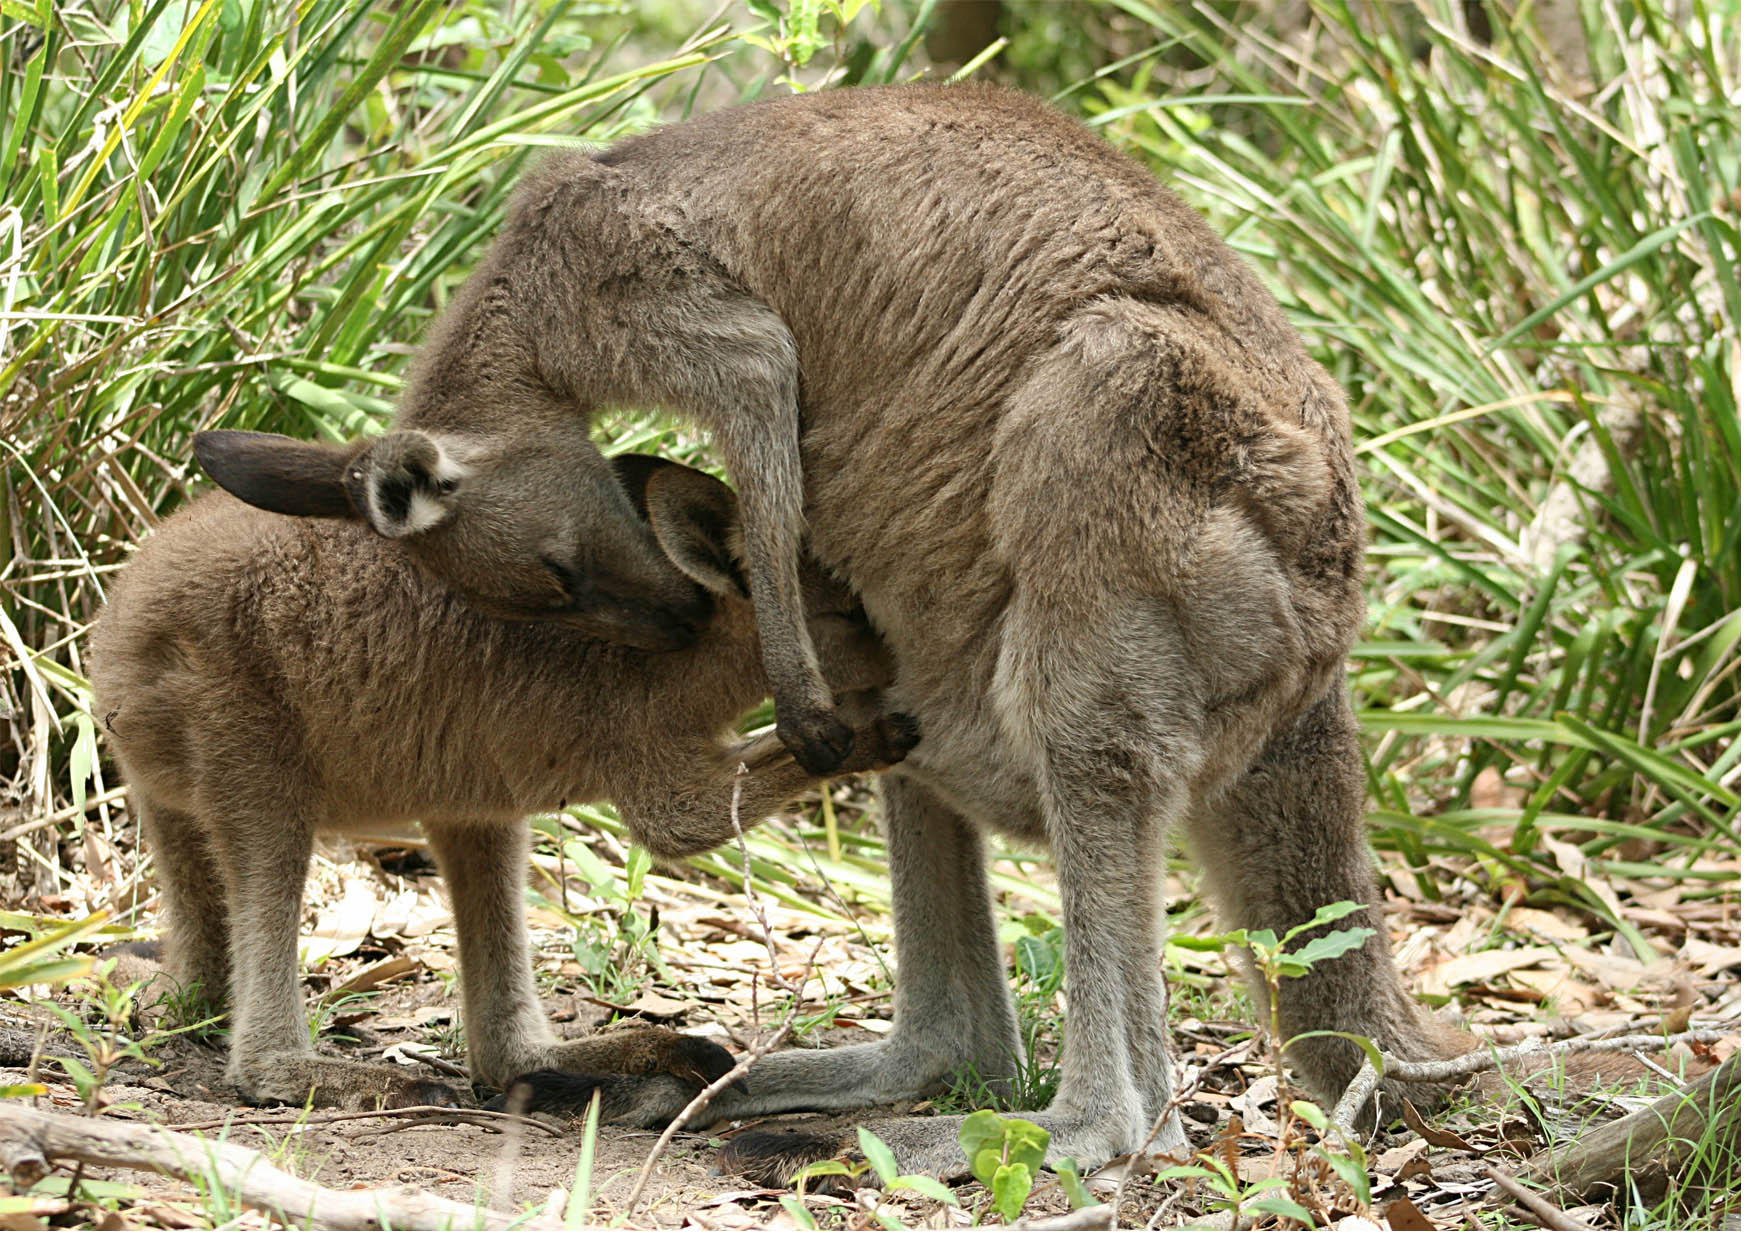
(1517, 246)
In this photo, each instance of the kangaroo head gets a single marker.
(539, 529)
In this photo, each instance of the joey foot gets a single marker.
(335, 1084)
(645, 1075)
(816, 737)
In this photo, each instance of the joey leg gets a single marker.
(485, 868)
(271, 1060)
(196, 951)
(1281, 841)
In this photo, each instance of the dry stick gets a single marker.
(1648, 1147)
(1543, 1211)
(1088, 1218)
(462, 1115)
(31, 1140)
(760, 1049)
(1367, 1081)
(432, 1061)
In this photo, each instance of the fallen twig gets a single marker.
(1088, 1218)
(1543, 1211)
(1648, 1148)
(1367, 1081)
(31, 1140)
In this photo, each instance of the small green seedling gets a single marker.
(1005, 1153)
(878, 1160)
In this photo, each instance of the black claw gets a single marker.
(900, 735)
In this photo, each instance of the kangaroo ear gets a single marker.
(697, 523)
(277, 472)
(404, 483)
(634, 471)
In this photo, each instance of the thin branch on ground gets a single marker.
(1543, 1211)
(31, 1140)
(1088, 1218)
(491, 1120)
(1367, 1081)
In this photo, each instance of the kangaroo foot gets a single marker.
(638, 1050)
(307, 1079)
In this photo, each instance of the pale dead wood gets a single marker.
(1543, 1211)
(1647, 1146)
(31, 1140)
(1088, 1218)
(1367, 1081)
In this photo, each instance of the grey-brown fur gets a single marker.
(264, 679)
(1090, 488)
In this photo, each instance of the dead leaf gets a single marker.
(649, 1005)
(1552, 927)
(374, 976)
(169, 1217)
(1489, 791)
(1619, 973)
(1404, 1215)
(1435, 1136)
(342, 925)
(1394, 1160)
(1481, 966)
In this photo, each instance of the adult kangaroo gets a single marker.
(1090, 488)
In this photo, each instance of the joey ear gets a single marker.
(404, 483)
(697, 523)
(634, 471)
(277, 472)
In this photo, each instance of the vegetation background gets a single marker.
(1512, 232)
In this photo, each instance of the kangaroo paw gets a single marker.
(899, 735)
(817, 738)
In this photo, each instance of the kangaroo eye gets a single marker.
(565, 576)
(445, 485)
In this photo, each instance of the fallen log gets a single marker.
(1647, 1148)
(31, 1139)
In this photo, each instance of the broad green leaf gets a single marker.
(1009, 1190)
(1330, 946)
(1280, 1206)
(881, 1159)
